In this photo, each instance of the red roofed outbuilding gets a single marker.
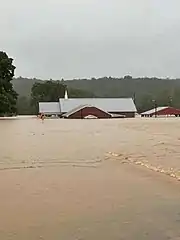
(162, 111)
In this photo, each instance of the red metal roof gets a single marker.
(86, 110)
(163, 111)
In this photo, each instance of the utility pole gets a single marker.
(155, 107)
(170, 101)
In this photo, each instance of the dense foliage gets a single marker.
(143, 90)
(8, 96)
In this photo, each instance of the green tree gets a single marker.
(145, 103)
(51, 91)
(8, 97)
(47, 91)
(24, 106)
(163, 98)
(175, 98)
(79, 93)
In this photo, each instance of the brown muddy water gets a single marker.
(89, 179)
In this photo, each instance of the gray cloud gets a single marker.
(84, 38)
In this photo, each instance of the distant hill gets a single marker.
(125, 87)
(108, 87)
(23, 86)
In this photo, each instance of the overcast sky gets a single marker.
(91, 38)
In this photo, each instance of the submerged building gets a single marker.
(162, 112)
(79, 108)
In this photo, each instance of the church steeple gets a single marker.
(66, 94)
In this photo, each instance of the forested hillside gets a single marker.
(143, 90)
(8, 97)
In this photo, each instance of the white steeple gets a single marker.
(66, 95)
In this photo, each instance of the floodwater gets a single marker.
(89, 179)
